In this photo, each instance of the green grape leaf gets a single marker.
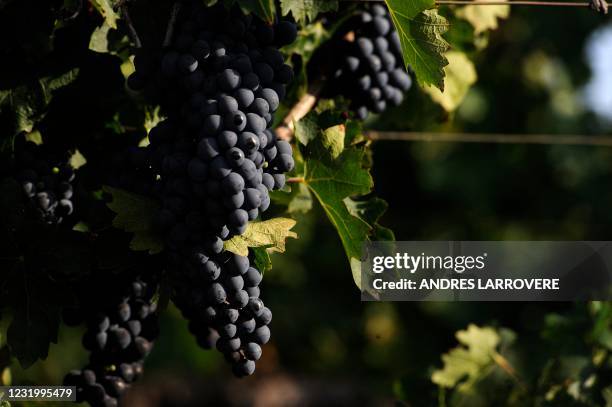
(420, 30)
(105, 8)
(309, 39)
(331, 181)
(31, 332)
(299, 200)
(264, 9)
(36, 301)
(305, 11)
(483, 18)
(135, 215)
(460, 76)
(306, 129)
(48, 84)
(370, 211)
(261, 259)
(467, 363)
(270, 233)
(23, 106)
(336, 172)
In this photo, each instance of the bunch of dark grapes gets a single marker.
(219, 83)
(220, 298)
(210, 187)
(119, 336)
(368, 68)
(214, 161)
(45, 178)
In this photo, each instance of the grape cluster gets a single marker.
(119, 335)
(45, 179)
(220, 299)
(206, 198)
(368, 68)
(214, 160)
(214, 157)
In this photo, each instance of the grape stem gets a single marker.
(73, 13)
(296, 180)
(128, 22)
(306, 103)
(171, 23)
(507, 367)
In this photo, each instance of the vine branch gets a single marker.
(125, 14)
(306, 103)
(296, 180)
(507, 367)
(171, 23)
(65, 14)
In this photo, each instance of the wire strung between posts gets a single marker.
(545, 139)
(514, 3)
(498, 3)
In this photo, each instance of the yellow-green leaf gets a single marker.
(77, 160)
(468, 362)
(307, 10)
(105, 8)
(333, 139)
(271, 233)
(460, 76)
(483, 18)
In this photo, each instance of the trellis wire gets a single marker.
(497, 3)
(542, 139)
